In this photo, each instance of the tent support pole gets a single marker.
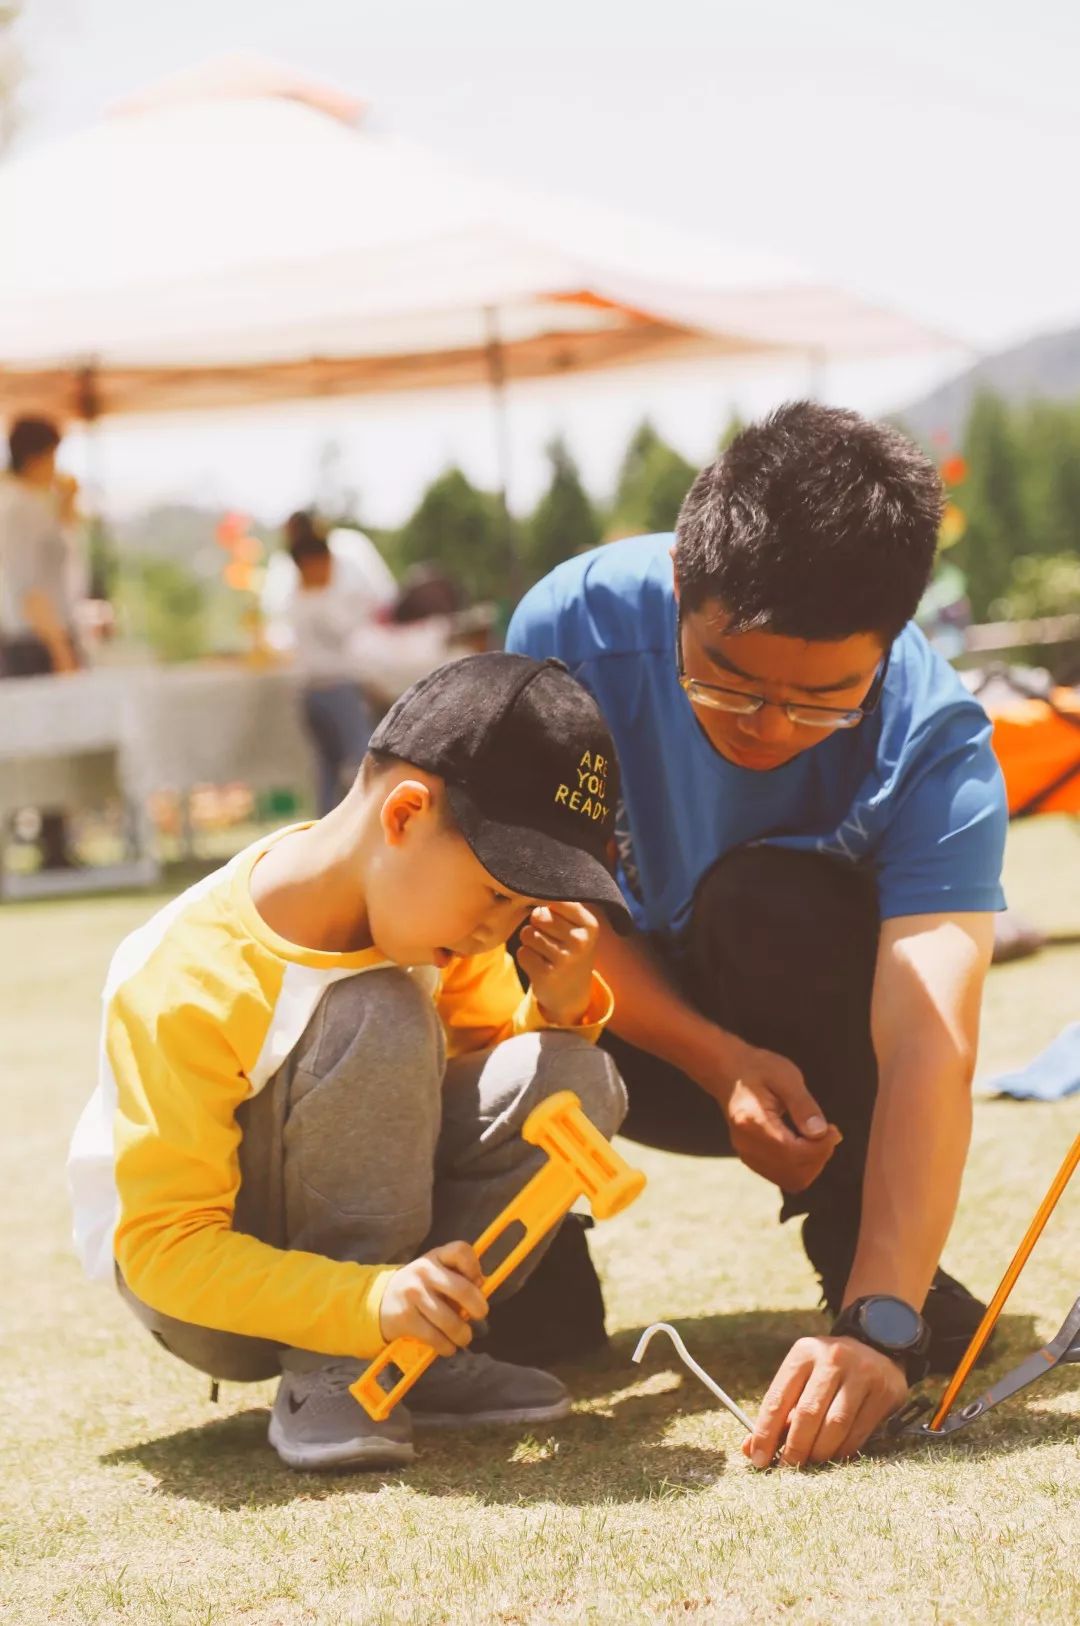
(88, 398)
(496, 361)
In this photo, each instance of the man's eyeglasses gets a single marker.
(717, 697)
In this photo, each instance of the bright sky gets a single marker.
(923, 155)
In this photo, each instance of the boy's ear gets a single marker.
(408, 801)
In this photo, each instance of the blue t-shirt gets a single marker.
(915, 789)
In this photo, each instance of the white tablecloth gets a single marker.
(66, 740)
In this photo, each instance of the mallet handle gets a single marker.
(537, 1207)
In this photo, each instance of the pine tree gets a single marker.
(564, 521)
(462, 530)
(992, 500)
(1050, 473)
(653, 480)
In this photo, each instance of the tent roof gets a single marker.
(244, 237)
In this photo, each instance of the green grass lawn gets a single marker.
(125, 1496)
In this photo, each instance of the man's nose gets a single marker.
(771, 725)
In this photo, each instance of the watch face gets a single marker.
(890, 1322)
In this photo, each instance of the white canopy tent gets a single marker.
(239, 236)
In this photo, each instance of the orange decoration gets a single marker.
(240, 575)
(248, 549)
(953, 525)
(230, 528)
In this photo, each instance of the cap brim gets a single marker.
(537, 865)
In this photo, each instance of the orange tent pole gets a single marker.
(1008, 1282)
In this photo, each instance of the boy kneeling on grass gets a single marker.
(316, 1064)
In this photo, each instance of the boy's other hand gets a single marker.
(431, 1297)
(557, 954)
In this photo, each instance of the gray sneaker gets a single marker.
(460, 1390)
(316, 1423)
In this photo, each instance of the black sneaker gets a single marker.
(559, 1313)
(951, 1312)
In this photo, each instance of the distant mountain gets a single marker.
(1045, 368)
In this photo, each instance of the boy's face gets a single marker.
(428, 897)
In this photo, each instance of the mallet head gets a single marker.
(561, 1129)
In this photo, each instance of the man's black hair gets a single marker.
(815, 524)
(304, 537)
(29, 438)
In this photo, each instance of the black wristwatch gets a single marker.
(891, 1326)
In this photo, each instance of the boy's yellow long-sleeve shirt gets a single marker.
(202, 1006)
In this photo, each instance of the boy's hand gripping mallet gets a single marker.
(580, 1163)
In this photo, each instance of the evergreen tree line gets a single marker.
(1019, 553)
(468, 533)
(1020, 498)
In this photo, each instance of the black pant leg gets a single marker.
(782, 950)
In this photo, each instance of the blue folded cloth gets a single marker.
(1050, 1077)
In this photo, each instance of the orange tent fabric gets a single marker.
(1038, 745)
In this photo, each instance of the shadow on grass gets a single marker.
(613, 1448)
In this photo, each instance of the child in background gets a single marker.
(334, 599)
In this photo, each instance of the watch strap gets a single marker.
(914, 1360)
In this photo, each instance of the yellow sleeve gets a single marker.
(481, 1003)
(179, 1084)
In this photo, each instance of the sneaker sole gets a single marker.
(474, 1419)
(364, 1453)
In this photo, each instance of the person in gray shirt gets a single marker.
(37, 503)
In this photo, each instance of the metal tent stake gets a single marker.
(690, 1363)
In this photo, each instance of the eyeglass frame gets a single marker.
(856, 714)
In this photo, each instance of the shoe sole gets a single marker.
(474, 1419)
(364, 1453)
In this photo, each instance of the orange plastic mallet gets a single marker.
(581, 1163)
(1008, 1282)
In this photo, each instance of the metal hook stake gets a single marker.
(690, 1363)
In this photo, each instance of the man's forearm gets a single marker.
(652, 1014)
(918, 1147)
(925, 1024)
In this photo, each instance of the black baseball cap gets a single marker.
(529, 768)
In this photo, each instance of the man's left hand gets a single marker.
(828, 1397)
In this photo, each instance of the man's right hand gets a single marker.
(431, 1297)
(777, 1128)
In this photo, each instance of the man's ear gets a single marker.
(675, 578)
(409, 800)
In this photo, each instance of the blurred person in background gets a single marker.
(333, 598)
(38, 577)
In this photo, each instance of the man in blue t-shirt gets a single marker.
(810, 840)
